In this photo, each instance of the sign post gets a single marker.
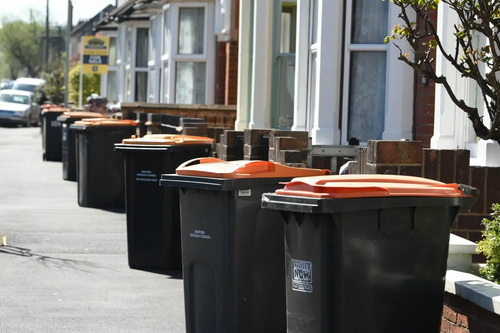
(95, 58)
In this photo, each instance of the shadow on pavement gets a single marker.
(112, 210)
(170, 274)
(79, 265)
(6, 125)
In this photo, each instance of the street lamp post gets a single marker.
(47, 39)
(68, 49)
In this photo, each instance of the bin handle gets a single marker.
(200, 160)
(468, 190)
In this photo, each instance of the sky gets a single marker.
(58, 9)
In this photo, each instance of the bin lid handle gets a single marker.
(200, 160)
(468, 190)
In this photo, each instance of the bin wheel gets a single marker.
(44, 157)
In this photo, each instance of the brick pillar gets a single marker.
(256, 144)
(288, 147)
(231, 84)
(394, 157)
(154, 123)
(230, 147)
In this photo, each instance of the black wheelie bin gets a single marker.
(52, 134)
(366, 253)
(99, 173)
(153, 226)
(68, 141)
(232, 250)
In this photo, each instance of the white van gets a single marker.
(27, 84)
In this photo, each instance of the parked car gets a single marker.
(18, 107)
(5, 84)
(27, 84)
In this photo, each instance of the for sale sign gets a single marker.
(95, 54)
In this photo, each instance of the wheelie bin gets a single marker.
(99, 171)
(153, 226)
(232, 250)
(366, 253)
(52, 134)
(68, 141)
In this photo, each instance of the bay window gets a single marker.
(136, 63)
(188, 53)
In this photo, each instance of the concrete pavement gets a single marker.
(65, 267)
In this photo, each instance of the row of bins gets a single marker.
(356, 253)
(265, 247)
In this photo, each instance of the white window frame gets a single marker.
(132, 68)
(165, 54)
(349, 49)
(312, 51)
(173, 58)
(154, 65)
(114, 68)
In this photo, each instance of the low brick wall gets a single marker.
(216, 116)
(461, 315)
(449, 166)
(471, 304)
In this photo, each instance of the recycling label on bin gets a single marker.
(302, 276)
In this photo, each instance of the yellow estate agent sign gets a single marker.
(95, 54)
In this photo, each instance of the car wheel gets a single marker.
(28, 122)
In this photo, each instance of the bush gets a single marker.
(53, 90)
(91, 84)
(490, 246)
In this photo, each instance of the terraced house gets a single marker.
(307, 65)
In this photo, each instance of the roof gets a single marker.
(81, 27)
(130, 10)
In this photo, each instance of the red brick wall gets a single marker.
(231, 83)
(423, 117)
(220, 74)
(226, 77)
(461, 316)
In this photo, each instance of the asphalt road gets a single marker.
(65, 267)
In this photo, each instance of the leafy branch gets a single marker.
(476, 55)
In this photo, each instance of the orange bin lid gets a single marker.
(83, 115)
(368, 186)
(56, 109)
(217, 168)
(105, 122)
(168, 140)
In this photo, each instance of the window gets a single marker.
(154, 57)
(166, 54)
(191, 30)
(151, 86)
(284, 77)
(136, 65)
(190, 83)
(165, 95)
(141, 53)
(313, 48)
(18, 99)
(190, 76)
(128, 45)
(112, 51)
(365, 70)
(141, 86)
(187, 50)
(112, 87)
